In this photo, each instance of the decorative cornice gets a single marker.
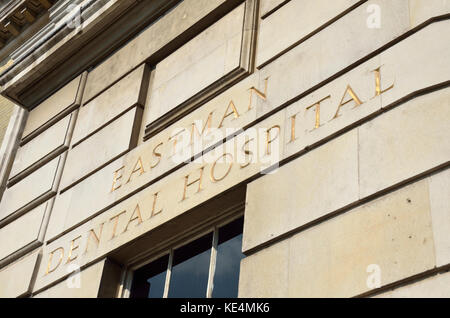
(17, 15)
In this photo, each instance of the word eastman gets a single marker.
(141, 213)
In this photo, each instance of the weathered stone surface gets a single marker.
(293, 22)
(172, 200)
(199, 63)
(268, 6)
(318, 116)
(421, 11)
(393, 233)
(404, 142)
(60, 103)
(21, 232)
(85, 285)
(94, 193)
(114, 140)
(323, 180)
(34, 153)
(15, 279)
(149, 42)
(407, 74)
(116, 100)
(266, 273)
(35, 188)
(437, 286)
(440, 214)
(315, 60)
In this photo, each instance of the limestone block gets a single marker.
(35, 153)
(109, 105)
(404, 142)
(425, 66)
(15, 279)
(59, 104)
(22, 232)
(440, 214)
(86, 285)
(421, 11)
(391, 236)
(325, 54)
(29, 192)
(293, 22)
(199, 63)
(323, 180)
(437, 286)
(109, 143)
(265, 274)
(148, 43)
(269, 6)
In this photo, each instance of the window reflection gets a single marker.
(149, 281)
(229, 255)
(190, 269)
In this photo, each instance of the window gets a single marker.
(206, 267)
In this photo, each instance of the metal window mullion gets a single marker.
(169, 273)
(212, 263)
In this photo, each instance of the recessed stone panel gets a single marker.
(33, 154)
(109, 105)
(15, 280)
(148, 43)
(201, 62)
(323, 180)
(383, 241)
(21, 232)
(101, 148)
(293, 22)
(404, 142)
(50, 110)
(29, 192)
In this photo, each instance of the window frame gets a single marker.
(168, 248)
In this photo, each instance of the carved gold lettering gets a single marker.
(175, 140)
(138, 217)
(258, 93)
(138, 166)
(93, 235)
(188, 184)
(378, 89)
(154, 212)
(50, 258)
(206, 128)
(73, 248)
(229, 113)
(247, 153)
(156, 155)
(353, 96)
(317, 105)
(116, 221)
(212, 175)
(269, 140)
(116, 178)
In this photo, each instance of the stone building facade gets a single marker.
(228, 148)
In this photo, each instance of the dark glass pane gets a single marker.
(229, 255)
(190, 269)
(149, 281)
